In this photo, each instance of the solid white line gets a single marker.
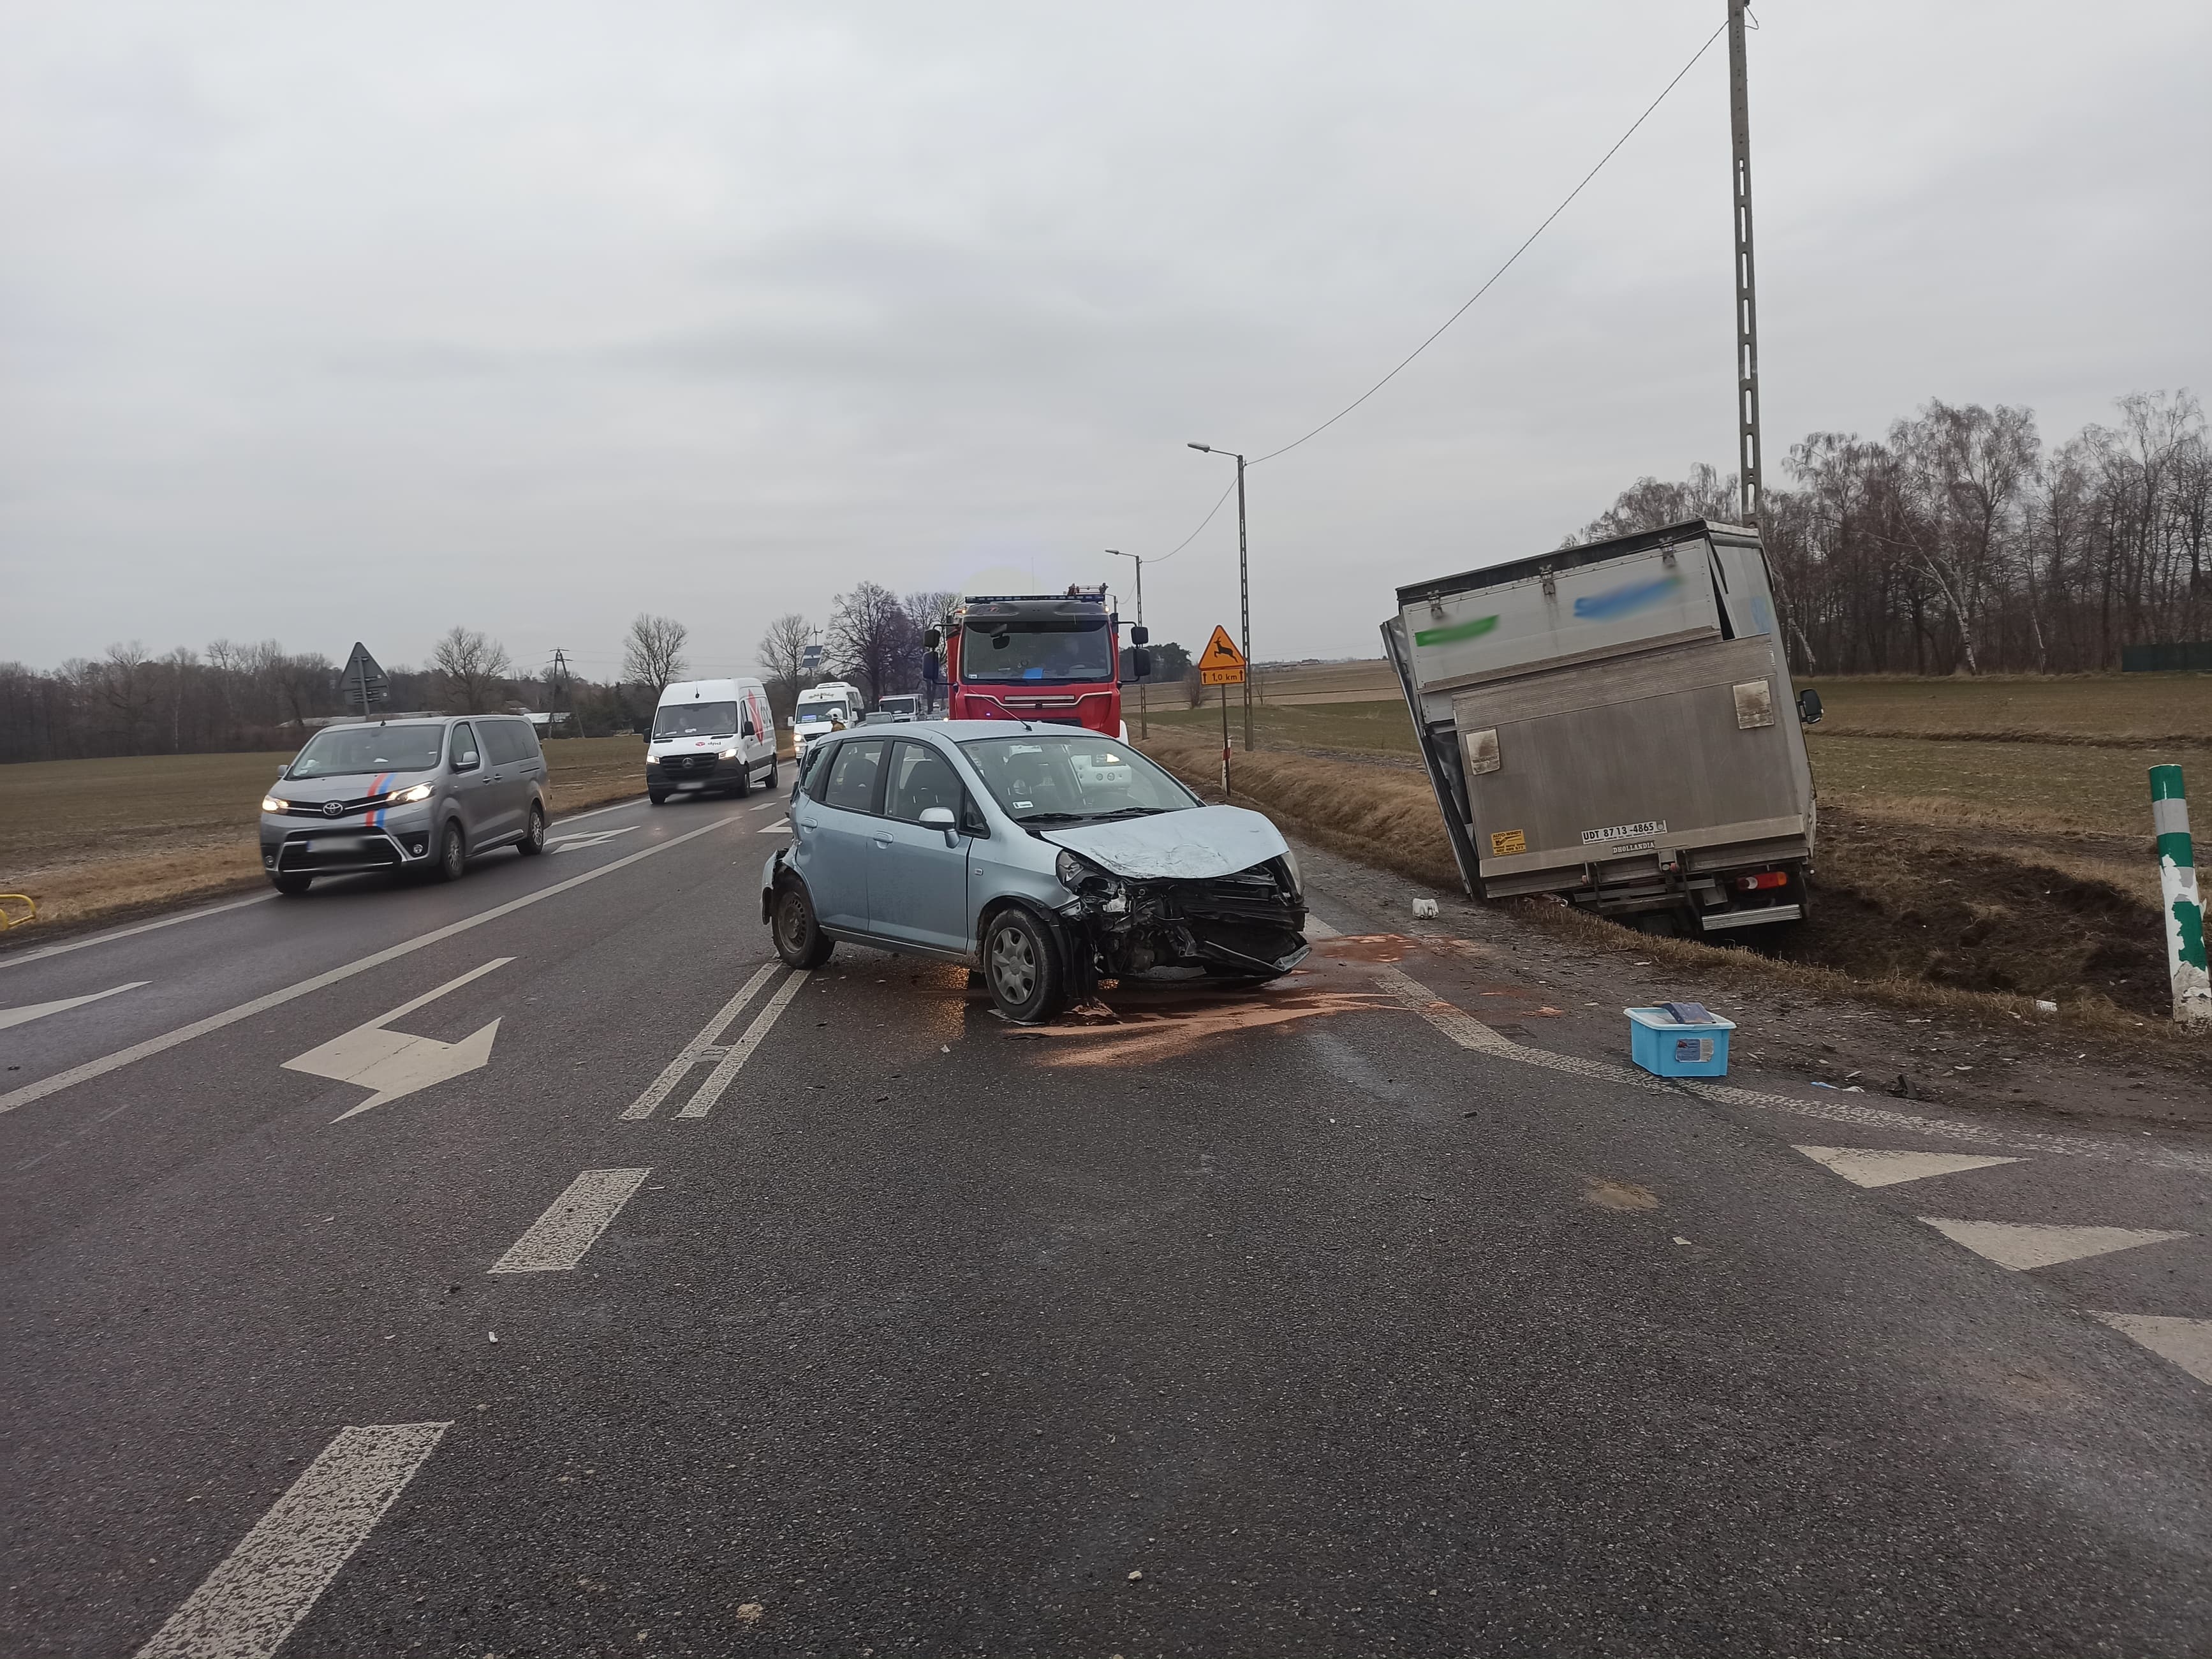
(719, 1079)
(247, 1606)
(572, 1224)
(24, 1016)
(767, 806)
(17, 959)
(657, 1091)
(578, 817)
(137, 1051)
(1316, 928)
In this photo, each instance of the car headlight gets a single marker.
(271, 804)
(1072, 871)
(729, 754)
(420, 791)
(1290, 864)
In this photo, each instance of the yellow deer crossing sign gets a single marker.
(1221, 663)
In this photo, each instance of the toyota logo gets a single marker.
(333, 809)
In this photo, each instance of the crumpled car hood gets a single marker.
(1195, 844)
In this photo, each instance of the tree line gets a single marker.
(233, 697)
(1958, 541)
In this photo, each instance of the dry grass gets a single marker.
(2044, 786)
(100, 841)
(2108, 708)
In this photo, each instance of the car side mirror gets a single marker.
(940, 817)
(466, 763)
(1141, 634)
(1140, 664)
(1808, 707)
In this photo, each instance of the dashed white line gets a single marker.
(2186, 1342)
(24, 1016)
(726, 1068)
(2024, 1246)
(572, 1224)
(658, 1091)
(249, 1604)
(154, 1045)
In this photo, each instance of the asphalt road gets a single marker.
(833, 1314)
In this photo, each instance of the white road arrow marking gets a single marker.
(394, 1063)
(2186, 1342)
(588, 838)
(2023, 1245)
(39, 1009)
(1863, 1167)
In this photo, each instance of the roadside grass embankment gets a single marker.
(1968, 876)
(100, 841)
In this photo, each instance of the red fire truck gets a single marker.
(1050, 657)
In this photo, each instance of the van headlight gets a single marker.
(271, 804)
(420, 791)
(729, 754)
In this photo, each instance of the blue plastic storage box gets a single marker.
(1666, 1048)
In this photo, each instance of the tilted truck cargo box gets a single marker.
(1615, 723)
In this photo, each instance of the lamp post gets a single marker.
(1144, 721)
(1243, 587)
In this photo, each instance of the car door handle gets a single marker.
(883, 841)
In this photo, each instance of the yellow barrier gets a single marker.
(7, 921)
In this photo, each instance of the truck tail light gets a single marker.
(1763, 880)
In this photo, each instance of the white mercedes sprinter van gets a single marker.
(710, 735)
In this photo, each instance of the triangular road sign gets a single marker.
(362, 681)
(1221, 650)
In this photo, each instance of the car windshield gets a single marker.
(1050, 779)
(695, 719)
(1036, 651)
(822, 708)
(342, 750)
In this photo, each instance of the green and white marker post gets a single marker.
(2183, 910)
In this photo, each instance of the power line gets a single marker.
(1202, 523)
(1565, 202)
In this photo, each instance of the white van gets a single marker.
(710, 734)
(829, 706)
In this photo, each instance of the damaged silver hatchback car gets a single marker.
(1045, 858)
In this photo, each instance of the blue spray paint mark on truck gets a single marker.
(1621, 601)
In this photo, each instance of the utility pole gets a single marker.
(1747, 303)
(1244, 580)
(560, 678)
(1144, 715)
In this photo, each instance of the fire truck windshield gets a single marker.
(1063, 652)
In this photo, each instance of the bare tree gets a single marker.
(653, 651)
(474, 667)
(782, 652)
(126, 684)
(872, 636)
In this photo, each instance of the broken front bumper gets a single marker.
(1249, 923)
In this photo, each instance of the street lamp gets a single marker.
(1144, 721)
(1243, 586)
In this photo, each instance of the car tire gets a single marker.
(744, 780)
(658, 796)
(771, 775)
(1021, 968)
(799, 939)
(452, 853)
(533, 839)
(291, 885)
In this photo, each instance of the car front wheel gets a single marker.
(799, 939)
(289, 883)
(533, 839)
(452, 855)
(1022, 968)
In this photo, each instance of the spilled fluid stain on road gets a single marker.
(1142, 1025)
(1394, 947)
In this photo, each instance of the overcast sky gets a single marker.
(323, 322)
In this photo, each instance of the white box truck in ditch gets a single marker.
(1615, 724)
